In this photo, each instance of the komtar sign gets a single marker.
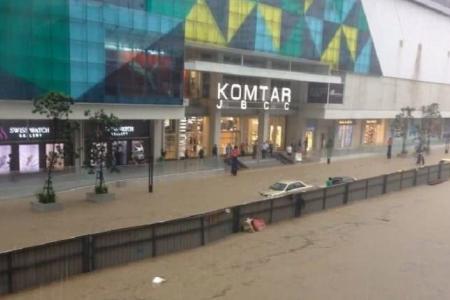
(247, 96)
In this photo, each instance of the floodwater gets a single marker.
(392, 247)
(19, 227)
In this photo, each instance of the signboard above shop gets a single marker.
(237, 96)
(324, 93)
(12, 131)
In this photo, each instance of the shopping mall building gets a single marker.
(190, 74)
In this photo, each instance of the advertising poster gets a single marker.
(5, 153)
(29, 158)
(59, 152)
(120, 153)
(138, 154)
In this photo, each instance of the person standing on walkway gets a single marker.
(329, 146)
(305, 144)
(389, 148)
(234, 161)
(214, 151)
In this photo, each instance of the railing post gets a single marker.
(298, 205)
(367, 188)
(10, 273)
(324, 198)
(385, 183)
(347, 187)
(88, 253)
(153, 240)
(401, 180)
(271, 212)
(202, 226)
(236, 218)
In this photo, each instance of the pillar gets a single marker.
(157, 136)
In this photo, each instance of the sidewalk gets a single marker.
(19, 227)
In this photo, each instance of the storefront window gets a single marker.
(344, 134)
(277, 132)
(170, 139)
(29, 158)
(196, 135)
(230, 133)
(5, 157)
(373, 132)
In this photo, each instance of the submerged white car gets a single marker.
(286, 187)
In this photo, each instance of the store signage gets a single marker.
(345, 122)
(23, 133)
(373, 122)
(323, 93)
(247, 96)
(123, 131)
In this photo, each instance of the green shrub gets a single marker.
(101, 189)
(46, 197)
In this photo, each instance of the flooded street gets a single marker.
(392, 247)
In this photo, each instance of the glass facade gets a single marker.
(335, 32)
(111, 51)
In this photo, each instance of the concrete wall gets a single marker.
(382, 97)
(411, 40)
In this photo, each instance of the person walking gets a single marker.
(329, 145)
(255, 150)
(234, 161)
(329, 182)
(420, 161)
(305, 143)
(214, 151)
(389, 148)
(271, 149)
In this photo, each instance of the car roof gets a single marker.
(289, 181)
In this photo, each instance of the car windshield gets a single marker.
(278, 186)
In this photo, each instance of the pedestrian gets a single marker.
(299, 145)
(228, 150)
(186, 154)
(289, 150)
(389, 147)
(234, 161)
(242, 149)
(263, 150)
(329, 145)
(329, 182)
(306, 144)
(447, 142)
(201, 153)
(271, 149)
(214, 151)
(255, 150)
(420, 161)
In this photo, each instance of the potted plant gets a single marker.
(104, 125)
(56, 107)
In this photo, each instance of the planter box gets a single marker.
(45, 207)
(100, 198)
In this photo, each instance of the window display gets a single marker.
(137, 152)
(119, 150)
(5, 156)
(58, 149)
(344, 136)
(29, 158)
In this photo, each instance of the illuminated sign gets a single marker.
(345, 122)
(255, 96)
(24, 133)
(372, 121)
(123, 131)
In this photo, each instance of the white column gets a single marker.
(157, 138)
